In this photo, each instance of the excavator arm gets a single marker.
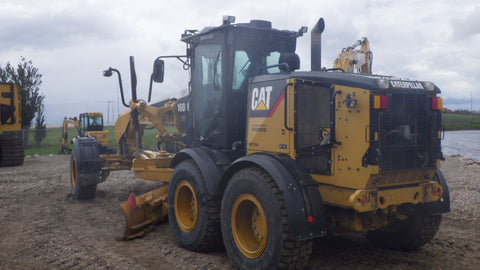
(68, 121)
(354, 60)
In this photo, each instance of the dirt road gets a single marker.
(41, 227)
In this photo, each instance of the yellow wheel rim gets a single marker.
(185, 206)
(249, 226)
(73, 168)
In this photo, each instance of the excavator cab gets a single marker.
(90, 122)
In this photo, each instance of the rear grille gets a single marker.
(312, 117)
(407, 137)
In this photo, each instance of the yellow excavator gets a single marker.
(269, 158)
(355, 60)
(12, 152)
(87, 124)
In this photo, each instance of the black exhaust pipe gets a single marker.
(316, 45)
(133, 78)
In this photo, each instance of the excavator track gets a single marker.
(11, 151)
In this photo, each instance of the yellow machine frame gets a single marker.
(9, 99)
(350, 185)
(289, 155)
(12, 152)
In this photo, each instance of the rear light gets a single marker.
(380, 102)
(437, 103)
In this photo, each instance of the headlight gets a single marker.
(383, 83)
(429, 86)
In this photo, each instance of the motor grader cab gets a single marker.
(275, 157)
(87, 124)
(355, 60)
(12, 152)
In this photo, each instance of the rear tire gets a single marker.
(193, 214)
(255, 225)
(11, 151)
(417, 230)
(85, 165)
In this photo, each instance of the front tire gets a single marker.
(85, 165)
(193, 214)
(417, 230)
(255, 225)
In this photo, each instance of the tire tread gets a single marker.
(212, 238)
(295, 254)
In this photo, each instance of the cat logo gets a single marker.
(261, 98)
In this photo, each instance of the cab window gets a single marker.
(252, 62)
(207, 82)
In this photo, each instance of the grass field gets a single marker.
(453, 121)
(51, 143)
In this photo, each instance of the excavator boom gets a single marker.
(353, 60)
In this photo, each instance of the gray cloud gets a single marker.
(73, 41)
(50, 31)
(467, 26)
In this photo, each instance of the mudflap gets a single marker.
(144, 211)
(443, 205)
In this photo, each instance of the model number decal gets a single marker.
(182, 107)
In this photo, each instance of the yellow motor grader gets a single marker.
(12, 152)
(265, 158)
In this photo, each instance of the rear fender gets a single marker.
(301, 195)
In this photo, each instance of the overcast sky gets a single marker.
(72, 42)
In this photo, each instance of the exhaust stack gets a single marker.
(316, 45)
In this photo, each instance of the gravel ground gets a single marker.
(41, 227)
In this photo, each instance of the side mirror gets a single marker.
(158, 70)
(108, 72)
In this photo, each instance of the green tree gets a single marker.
(28, 79)
(40, 127)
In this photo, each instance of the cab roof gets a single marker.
(254, 25)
